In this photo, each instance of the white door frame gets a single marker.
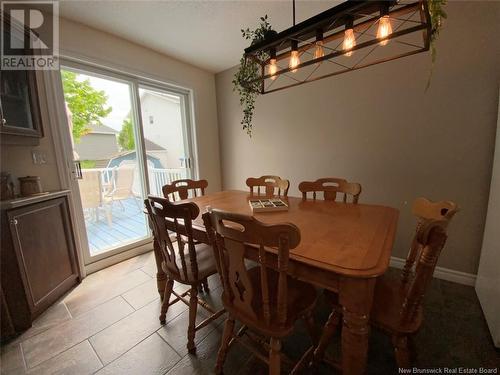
(64, 152)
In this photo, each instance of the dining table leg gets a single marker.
(356, 296)
(161, 277)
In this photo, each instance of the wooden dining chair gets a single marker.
(265, 300)
(183, 189)
(397, 304)
(272, 185)
(187, 263)
(330, 187)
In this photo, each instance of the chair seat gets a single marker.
(301, 299)
(388, 301)
(204, 258)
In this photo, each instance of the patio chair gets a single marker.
(91, 193)
(123, 181)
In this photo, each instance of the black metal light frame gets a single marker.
(331, 23)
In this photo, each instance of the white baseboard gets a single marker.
(442, 273)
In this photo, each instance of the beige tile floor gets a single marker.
(109, 325)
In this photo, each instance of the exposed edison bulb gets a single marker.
(294, 61)
(384, 29)
(273, 68)
(349, 41)
(319, 52)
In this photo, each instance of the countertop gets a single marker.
(24, 201)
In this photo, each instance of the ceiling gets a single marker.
(204, 33)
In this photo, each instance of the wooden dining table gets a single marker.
(344, 248)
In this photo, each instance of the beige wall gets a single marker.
(79, 41)
(377, 126)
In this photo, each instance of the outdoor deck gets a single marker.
(128, 224)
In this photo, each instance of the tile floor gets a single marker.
(109, 325)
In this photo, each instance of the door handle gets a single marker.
(78, 170)
(14, 221)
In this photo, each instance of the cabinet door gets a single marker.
(19, 100)
(20, 107)
(45, 250)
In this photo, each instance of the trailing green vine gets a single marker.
(437, 16)
(249, 70)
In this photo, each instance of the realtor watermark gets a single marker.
(29, 35)
(449, 370)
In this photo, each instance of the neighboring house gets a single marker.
(99, 145)
(162, 122)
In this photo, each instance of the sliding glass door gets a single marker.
(129, 138)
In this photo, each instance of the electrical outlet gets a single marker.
(39, 157)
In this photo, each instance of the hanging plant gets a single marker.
(437, 16)
(248, 71)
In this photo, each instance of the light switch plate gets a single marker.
(39, 157)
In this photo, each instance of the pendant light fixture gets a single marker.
(294, 53)
(384, 26)
(273, 68)
(319, 51)
(347, 37)
(294, 57)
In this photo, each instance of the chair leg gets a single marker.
(274, 356)
(139, 205)
(311, 328)
(224, 345)
(328, 332)
(166, 299)
(109, 216)
(193, 305)
(401, 351)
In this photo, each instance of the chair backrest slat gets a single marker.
(230, 235)
(182, 189)
(330, 187)
(264, 282)
(160, 210)
(429, 240)
(272, 185)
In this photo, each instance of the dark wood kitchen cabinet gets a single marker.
(20, 115)
(19, 106)
(38, 260)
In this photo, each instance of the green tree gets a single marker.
(87, 105)
(126, 136)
